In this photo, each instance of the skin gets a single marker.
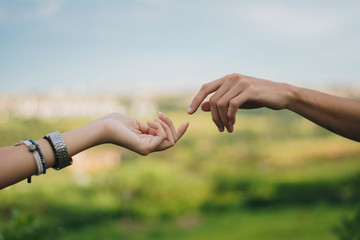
(18, 163)
(231, 92)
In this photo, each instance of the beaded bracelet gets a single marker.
(39, 158)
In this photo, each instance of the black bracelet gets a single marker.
(53, 148)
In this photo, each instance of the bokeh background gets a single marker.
(278, 176)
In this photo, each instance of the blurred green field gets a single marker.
(278, 176)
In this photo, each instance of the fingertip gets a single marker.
(182, 129)
(190, 110)
(187, 123)
(164, 117)
(161, 114)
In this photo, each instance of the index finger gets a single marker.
(205, 90)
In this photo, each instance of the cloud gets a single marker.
(49, 8)
(13, 12)
(2, 15)
(284, 19)
(290, 20)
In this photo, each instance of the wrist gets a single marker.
(108, 125)
(291, 96)
(100, 134)
(87, 136)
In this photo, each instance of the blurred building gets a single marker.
(59, 106)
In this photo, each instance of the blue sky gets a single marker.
(156, 45)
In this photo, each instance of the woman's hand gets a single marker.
(139, 137)
(236, 91)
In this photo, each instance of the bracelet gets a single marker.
(42, 159)
(38, 163)
(57, 143)
(53, 148)
(39, 158)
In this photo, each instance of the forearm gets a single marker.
(18, 163)
(85, 137)
(337, 114)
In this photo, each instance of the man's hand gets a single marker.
(236, 91)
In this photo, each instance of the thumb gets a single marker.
(205, 106)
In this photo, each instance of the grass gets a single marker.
(297, 223)
(278, 176)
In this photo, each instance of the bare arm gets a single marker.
(17, 162)
(339, 115)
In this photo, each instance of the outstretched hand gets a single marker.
(236, 91)
(142, 138)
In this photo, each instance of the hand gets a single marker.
(142, 138)
(236, 91)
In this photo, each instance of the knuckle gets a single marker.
(213, 101)
(235, 77)
(222, 104)
(227, 76)
(233, 103)
(205, 87)
(251, 89)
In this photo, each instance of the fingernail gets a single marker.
(189, 110)
(221, 129)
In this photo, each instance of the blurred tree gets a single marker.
(349, 229)
(23, 225)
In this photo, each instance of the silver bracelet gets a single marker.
(59, 147)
